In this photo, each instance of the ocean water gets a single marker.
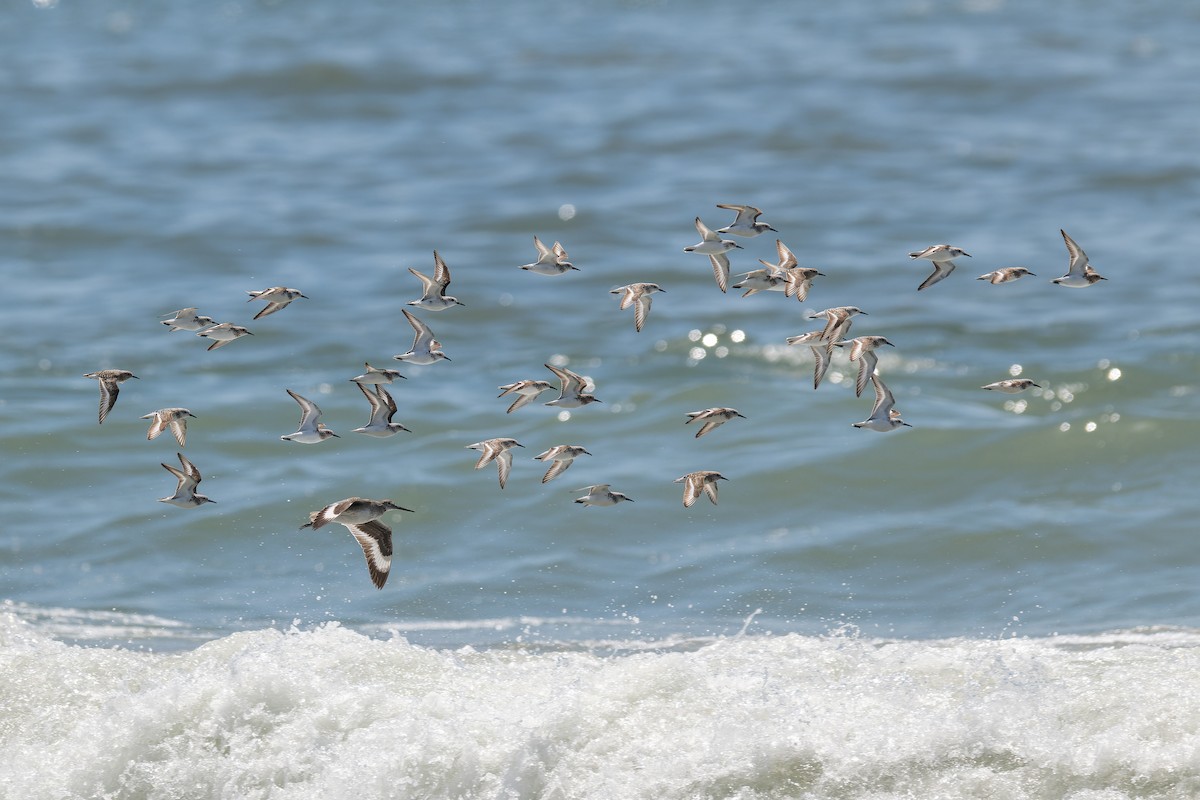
(999, 602)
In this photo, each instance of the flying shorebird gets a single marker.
(941, 255)
(185, 491)
(837, 322)
(550, 260)
(1004, 275)
(425, 348)
(376, 376)
(1011, 385)
(311, 430)
(715, 248)
(383, 408)
(1080, 273)
(798, 279)
(223, 334)
(173, 418)
(526, 391)
(562, 456)
(639, 296)
(696, 482)
(433, 290)
(862, 350)
(884, 416)
(361, 516)
(767, 279)
(277, 297)
(600, 495)
(746, 223)
(822, 352)
(573, 392)
(499, 450)
(109, 380)
(712, 418)
(186, 319)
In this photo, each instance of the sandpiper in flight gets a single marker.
(360, 516)
(109, 380)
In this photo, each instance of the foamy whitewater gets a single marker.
(330, 713)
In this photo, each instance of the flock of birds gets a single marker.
(362, 516)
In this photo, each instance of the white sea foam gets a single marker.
(330, 713)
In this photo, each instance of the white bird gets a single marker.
(637, 295)
(562, 456)
(1080, 273)
(715, 248)
(1005, 275)
(837, 322)
(277, 297)
(186, 319)
(425, 348)
(361, 516)
(376, 376)
(383, 408)
(550, 260)
(767, 279)
(941, 255)
(173, 418)
(526, 391)
(573, 392)
(1011, 385)
(600, 495)
(223, 334)
(311, 430)
(695, 483)
(499, 450)
(798, 279)
(822, 352)
(712, 418)
(185, 490)
(746, 223)
(433, 290)
(884, 416)
(862, 350)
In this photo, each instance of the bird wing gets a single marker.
(375, 538)
(309, 411)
